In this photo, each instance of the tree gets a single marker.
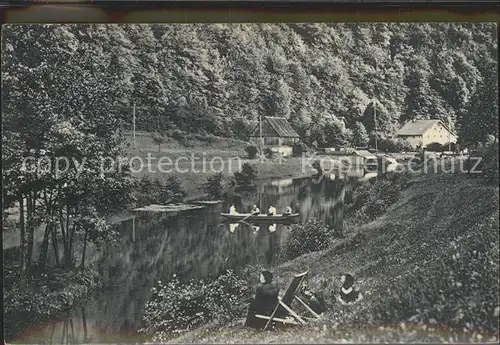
(480, 118)
(173, 191)
(251, 151)
(360, 135)
(158, 139)
(213, 187)
(59, 105)
(246, 177)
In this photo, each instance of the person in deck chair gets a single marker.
(264, 302)
(349, 294)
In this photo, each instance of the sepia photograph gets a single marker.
(314, 182)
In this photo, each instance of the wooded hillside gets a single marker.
(215, 78)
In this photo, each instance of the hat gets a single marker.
(268, 276)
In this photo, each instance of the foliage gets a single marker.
(299, 148)
(317, 165)
(251, 151)
(488, 165)
(394, 145)
(268, 152)
(158, 139)
(147, 191)
(372, 199)
(247, 175)
(360, 135)
(310, 237)
(173, 192)
(480, 118)
(61, 104)
(177, 307)
(43, 297)
(213, 186)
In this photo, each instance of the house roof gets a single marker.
(278, 125)
(419, 127)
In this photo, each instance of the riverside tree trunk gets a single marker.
(82, 263)
(31, 230)
(23, 234)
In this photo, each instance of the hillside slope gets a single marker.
(428, 269)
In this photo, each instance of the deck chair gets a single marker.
(283, 309)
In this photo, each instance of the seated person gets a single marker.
(315, 300)
(349, 294)
(232, 210)
(255, 210)
(288, 211)
(271, 211)
(264, 302)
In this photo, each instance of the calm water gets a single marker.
(192, 244)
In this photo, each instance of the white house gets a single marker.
(425, 133)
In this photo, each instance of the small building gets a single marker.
(277, 134)
(427, 133)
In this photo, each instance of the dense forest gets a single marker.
(216, 79)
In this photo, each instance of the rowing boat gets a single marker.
(260, 217)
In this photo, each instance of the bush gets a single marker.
(178, 307)
(213, 186)
(317, 165)
(173, 191)
(392, 145)
(298, 148)
(310, 237)
(247, 175)
(147, 191)
(268, 153)
(372, 200)
(488, 155)
(251, 151)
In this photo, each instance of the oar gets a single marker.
(251, 214)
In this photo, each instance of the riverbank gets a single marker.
(428, 268)
(35, 300)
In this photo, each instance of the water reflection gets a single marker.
(193, 244)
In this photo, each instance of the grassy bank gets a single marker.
(428, 268)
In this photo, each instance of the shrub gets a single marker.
(372, 200)
(298, 148)
(488, 165)
(268, 152)
(317, 165)
(213, 186)
(173, 191)
(251, 151)
(310, 237)
(247, 175)
(178, 307)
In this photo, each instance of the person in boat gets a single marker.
(232, 210)
(349, 293)
(271, 211)
(255, 209)
(264, 302)
(315, 300)
(288, 211)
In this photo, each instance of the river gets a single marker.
(192, 244)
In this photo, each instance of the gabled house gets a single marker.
(425, 133)
(276, 134)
